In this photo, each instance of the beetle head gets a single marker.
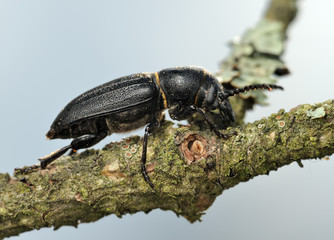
(210, 97)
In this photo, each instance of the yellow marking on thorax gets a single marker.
(196, 98)
(162, 92)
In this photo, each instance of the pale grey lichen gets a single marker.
(316, 113)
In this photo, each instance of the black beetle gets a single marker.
(133, 101)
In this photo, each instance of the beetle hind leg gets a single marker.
(44, 161)
(84, 141)
(53, 156)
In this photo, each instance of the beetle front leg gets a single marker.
(212, 126)
(150, 128)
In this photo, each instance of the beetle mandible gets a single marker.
(133, 101)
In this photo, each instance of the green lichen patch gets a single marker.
(316, 113)
(267, 37)
(255, 58)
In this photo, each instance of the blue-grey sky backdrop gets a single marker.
(52, 51)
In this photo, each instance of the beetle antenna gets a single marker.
(229, 93)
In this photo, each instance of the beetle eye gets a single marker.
(210, 97)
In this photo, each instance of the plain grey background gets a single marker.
(51, 51)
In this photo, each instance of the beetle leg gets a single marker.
(26, 169)
(150, 128)
(84, 141)
(53, 156)
(212, 126)
(87, 140)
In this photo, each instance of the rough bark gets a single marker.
(189, 166)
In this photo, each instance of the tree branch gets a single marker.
(189, 168)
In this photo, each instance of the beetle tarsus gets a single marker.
(26, 170)
(145, 175)
(225, 136)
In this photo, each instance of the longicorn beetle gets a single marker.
(133, 101)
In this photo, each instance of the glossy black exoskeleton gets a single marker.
(137, 100)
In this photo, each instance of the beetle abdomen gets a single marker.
(94, 110)
(108, 123)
